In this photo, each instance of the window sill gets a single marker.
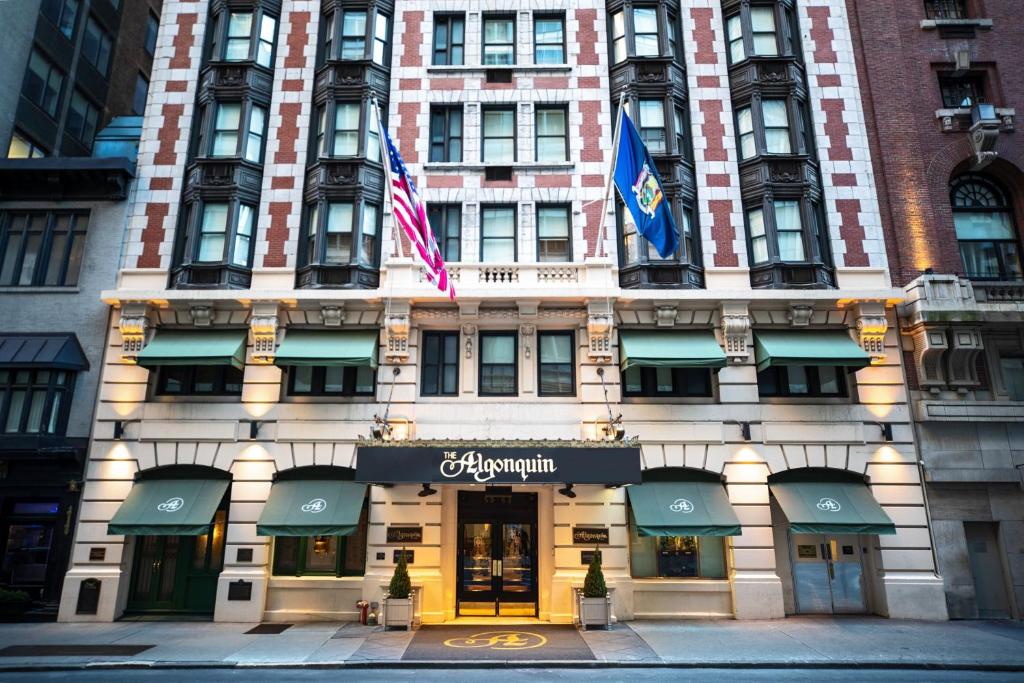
(315, 582)
(932, 24)
(480, 68)
(695, 584)
(461, 166)
(39, 290)
(806, 400)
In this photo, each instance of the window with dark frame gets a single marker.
(675, 556)
(353, 34)
(985, 229)
(619, 51)
(499, 372)
(946, 9)
(446, 222)
(449, 39)
(440, 372)
(636, 249)
(446, 133)
(666, 382)
(224, 233)
(499, 47)
(1012, 371)
(82, 119)
(554, 233)
(645, 32)
(141, 95)
(309, 380)
(63, 14)
(41, 249)
(43, 83)
(347, 233)
(346, 129)
(198, 380)
(652, 125)
(97, 45)
(381, 31)
(250, 36)
(22, 147)
(796, 381)
(323, 555)
(556, 374)
(789, 232)
(35, 401)
(552, 133)
(152, 29)
(499, 135)
(549, 38)
(498, 234)
(962, 92)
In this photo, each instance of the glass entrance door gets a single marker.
(828, 576)
(497, 554)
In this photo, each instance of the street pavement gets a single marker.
(794, 643)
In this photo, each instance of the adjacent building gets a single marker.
(951, 173)
(287, 405)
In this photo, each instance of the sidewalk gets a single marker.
(796, 641)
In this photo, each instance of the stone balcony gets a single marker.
(953, 299)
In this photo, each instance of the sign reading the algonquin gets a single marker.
(498, 465)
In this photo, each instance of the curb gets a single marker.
(509, 664)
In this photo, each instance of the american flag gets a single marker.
(410, 212)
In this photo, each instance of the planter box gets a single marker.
(595, 612)
(398, 613)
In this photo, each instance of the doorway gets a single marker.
(178, 574)
(987, 570)
(497, 553)
(828, 574)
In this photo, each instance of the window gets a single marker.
(758, 236)
(440, 364)
(323, 555)
(265, 44)
(675, 556)
(801, 380)
(776, 126)
(499, 40)
(43, 83)
(215, 238)
(645, 31)
(225, 129)
(198, 380)
(549, 39)
(63, 14)
(679, 119)
(346, 129)
(449, 39)
(309, 380)
(734, 34)
(552, 134)
(652, 125)
(23, 148)
(35, 401)
(618, 37)
(553, 233)
(985, 230)
(498, 370)
(353, 35)
(40, 249)
(380, 40)
(340, 216)
(82, 119)
(961, 92)
(349, 234)
(788, 228)
(666, 382)
(1013, 377)
(236, 47)
(762, 30)
(446, 133)
(673, 44)
(745, 128)
(636, 249)
(152, 29)
(96, 46)
(498, 234)
(446, 222)
(946, 9)
(555, 366)
(141, 95)
(499, 132)
(254, 139)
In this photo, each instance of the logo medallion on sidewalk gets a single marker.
(500, 640)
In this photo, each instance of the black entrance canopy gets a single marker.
(486, 463)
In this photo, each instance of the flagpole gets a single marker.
(386, 162)
(599, 247)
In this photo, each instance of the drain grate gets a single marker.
(73, 650)
(268, 629)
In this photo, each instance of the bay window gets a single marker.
(249, 37)
(985, 230)
(224, 234)
(340, 233)
(357, 35)
(778, 231)
(760, 30)
(636, 32)
(238, 129)
(339, 128)
(498, 234)
(638, 250)
(499, 40)
(764, 127)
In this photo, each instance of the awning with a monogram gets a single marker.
(169, 507)
(312, 507)
(683, 508)
(831, 507)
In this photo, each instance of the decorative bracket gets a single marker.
(800, 315)
(735, 322)
(332, 315)
(263, 325)
(526, 333)
(984, 134)
(665, 315)
(961, 361)
(397, 328)
(469, 332)
(133, 324)
(930, 346)
(871, 328)
(599, 332)
(202, 314)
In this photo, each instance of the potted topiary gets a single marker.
(595, 605)
(398, 603)
(13, 603)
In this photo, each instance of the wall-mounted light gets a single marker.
(886, 428)
(254, 429)
(745, 431)
(567, 491)
(426, 491)
(118, 430)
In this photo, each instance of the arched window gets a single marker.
(984, 228)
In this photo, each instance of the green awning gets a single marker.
(169, 507)
(833, 348)
(669, 349)
(685, 508)
(344, 349)
(200, 347)
(822, 507)
(312, 507)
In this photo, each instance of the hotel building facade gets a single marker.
(287, 404)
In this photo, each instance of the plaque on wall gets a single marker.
(88, 596)
(97, 554)
(240, 590)
(243, 555)
(409, 556)
(587, 556)
(807, 551)
(405, 534)
(585, 535)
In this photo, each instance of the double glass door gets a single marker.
(497, 554)
(828, 574)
